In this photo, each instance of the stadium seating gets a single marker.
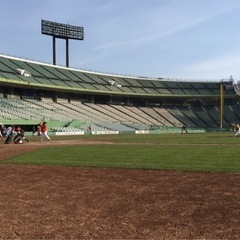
(126, 102)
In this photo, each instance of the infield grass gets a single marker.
(210, 152)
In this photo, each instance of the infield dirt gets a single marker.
(44, 202)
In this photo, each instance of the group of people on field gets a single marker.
(17, 133)
(13, 133)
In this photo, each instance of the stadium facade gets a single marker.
(71, 100)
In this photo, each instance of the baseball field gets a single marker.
(159, 186)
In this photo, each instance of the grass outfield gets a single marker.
(208, 152)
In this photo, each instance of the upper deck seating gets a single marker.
(58, 77)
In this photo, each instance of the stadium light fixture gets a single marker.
(24, 73)
(62, 31)
(113, 83)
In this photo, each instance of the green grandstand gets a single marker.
(72, 99)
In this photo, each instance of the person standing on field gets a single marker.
(184, 129)
(237, 128)
(9, 133)
(1, 132)
(43, 131)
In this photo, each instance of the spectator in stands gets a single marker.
(184, 129)
(9, 133)
(43, 131)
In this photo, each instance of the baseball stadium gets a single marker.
(118, 165)
(71, 100)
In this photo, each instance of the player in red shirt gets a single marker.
(43, 130)
(19, 136)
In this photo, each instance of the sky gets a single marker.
(177, 39)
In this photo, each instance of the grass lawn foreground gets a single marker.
(218, 152)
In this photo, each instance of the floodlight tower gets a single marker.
(63, 31)
(221, 104)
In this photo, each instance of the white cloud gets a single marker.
(216, 68)
(159, 23)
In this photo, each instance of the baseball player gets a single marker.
(20, 136)
(237, 128)
(9, 133)
(43, 129)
